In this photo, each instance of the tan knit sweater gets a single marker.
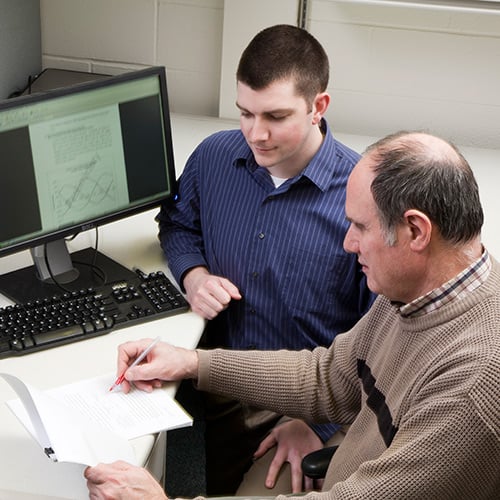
(422, 396)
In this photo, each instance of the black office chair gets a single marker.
(315, 464)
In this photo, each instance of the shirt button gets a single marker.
(252, 311)
(261, 236)
(255, 274)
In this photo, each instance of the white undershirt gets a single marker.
(278, 181)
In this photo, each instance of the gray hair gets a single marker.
(438, 181)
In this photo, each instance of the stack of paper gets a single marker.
(86, 423)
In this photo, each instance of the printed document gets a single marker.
(86, 423)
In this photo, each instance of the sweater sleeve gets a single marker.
(288, 382)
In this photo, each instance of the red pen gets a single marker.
(144, 353)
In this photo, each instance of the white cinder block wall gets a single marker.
(395, 64)
(413, 66)
(113, 36)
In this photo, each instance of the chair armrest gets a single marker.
(315, 464)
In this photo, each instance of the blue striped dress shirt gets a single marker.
(282, 247)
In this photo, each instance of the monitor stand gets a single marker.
(24, 285)
(53, 263)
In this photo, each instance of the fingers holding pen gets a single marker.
(130, 354)
(163, 362)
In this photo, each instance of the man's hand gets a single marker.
(163, 363)
(122, 481)
(294, 440)
(208, 294)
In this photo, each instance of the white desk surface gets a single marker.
(23, 466)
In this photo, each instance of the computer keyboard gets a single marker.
(78, 315)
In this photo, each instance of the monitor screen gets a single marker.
(81, 156)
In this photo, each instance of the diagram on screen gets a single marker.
(83, 189)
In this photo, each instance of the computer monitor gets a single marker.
(73, 159)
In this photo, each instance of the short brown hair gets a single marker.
(281, 52)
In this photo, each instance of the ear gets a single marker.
(420, 227)
(320, 105)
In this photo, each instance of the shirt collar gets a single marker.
(320, 170)
(455, 289)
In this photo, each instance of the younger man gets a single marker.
(255, 239)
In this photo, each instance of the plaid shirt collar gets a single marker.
(465, 282)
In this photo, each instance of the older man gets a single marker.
(418, 378)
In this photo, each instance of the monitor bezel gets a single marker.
(95, 222)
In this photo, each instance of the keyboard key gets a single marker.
(61, 334)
